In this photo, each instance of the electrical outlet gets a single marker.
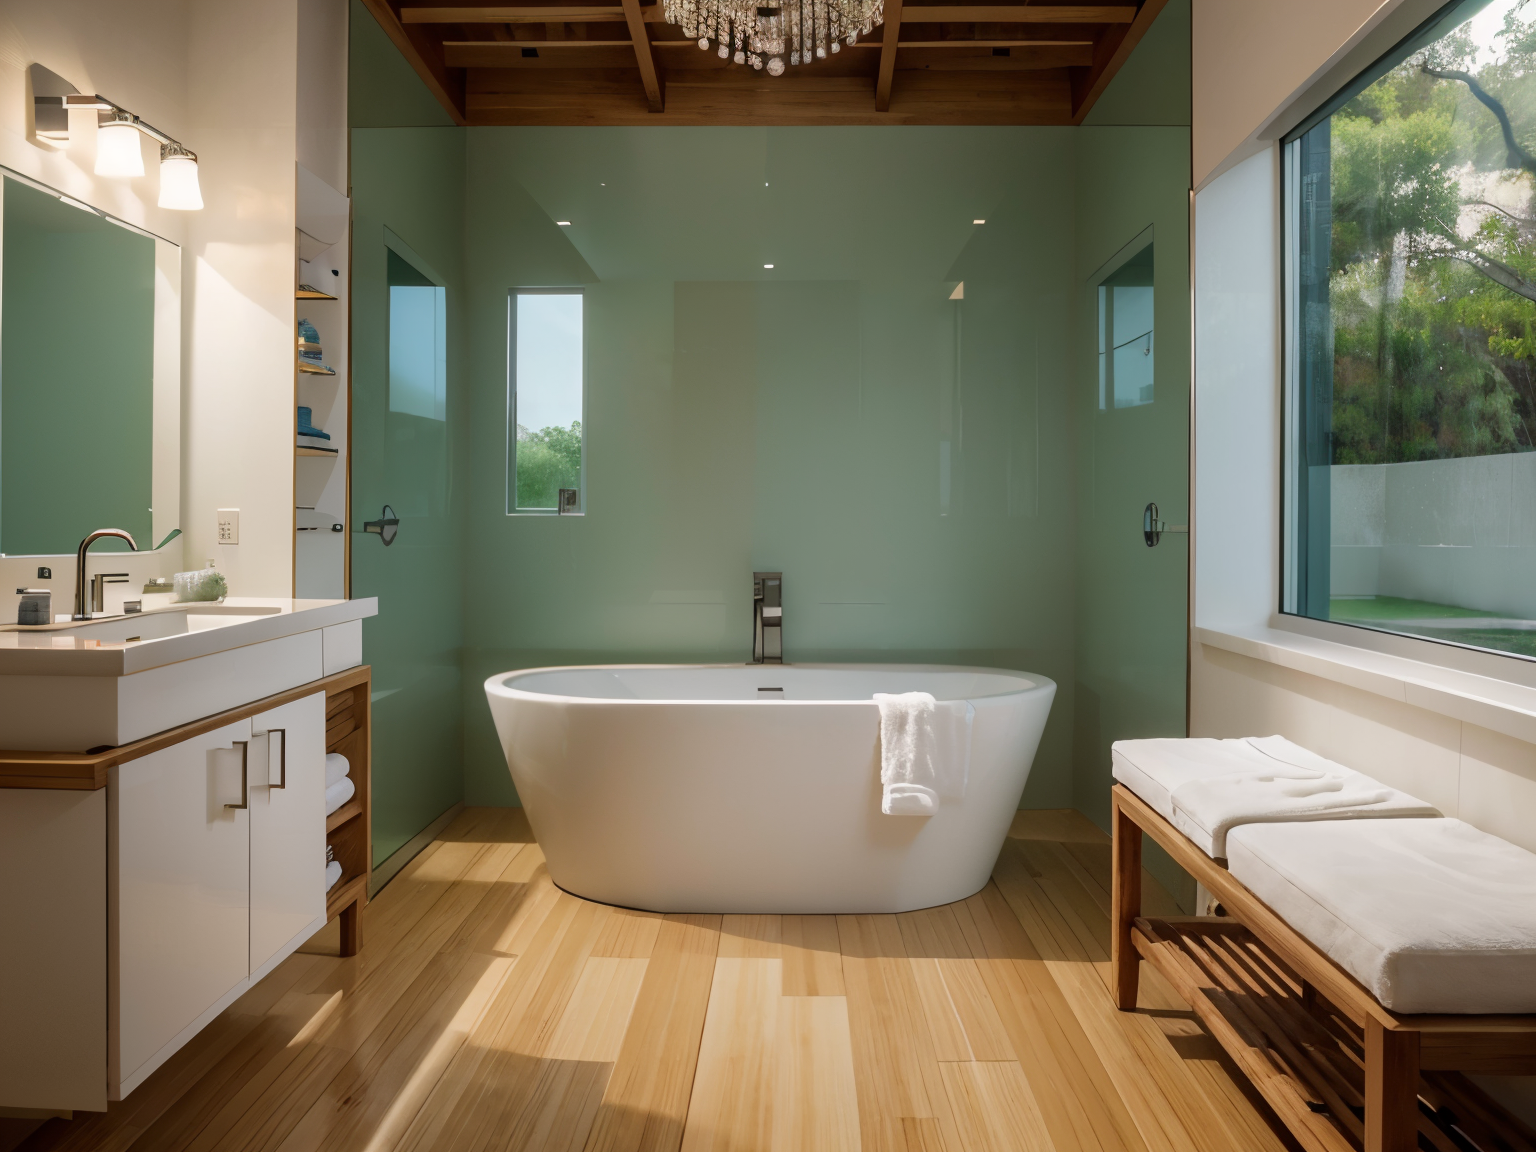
(229, 525)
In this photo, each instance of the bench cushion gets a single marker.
(1429, 915)
(1204, 788)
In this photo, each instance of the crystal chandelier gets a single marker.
(763, 36)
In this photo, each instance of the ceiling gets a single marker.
(931, 63)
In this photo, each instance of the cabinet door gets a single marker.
(182, 876)
(287, 829)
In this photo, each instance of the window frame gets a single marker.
(510, 463)
(1494, 663)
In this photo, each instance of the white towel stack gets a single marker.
(338, 785)
(925, 751)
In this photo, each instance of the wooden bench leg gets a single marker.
(1391, 1089)
(1125, 899)
(350, 919)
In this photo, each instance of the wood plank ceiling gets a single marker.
(932, 63)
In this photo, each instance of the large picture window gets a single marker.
(545, 400)
(1410, 267)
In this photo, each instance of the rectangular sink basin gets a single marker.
(153, 624)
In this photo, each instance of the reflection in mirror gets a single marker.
(76, 375)
(1125, 334)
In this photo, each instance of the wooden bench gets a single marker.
(1342, 1072)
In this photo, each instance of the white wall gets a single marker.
(220, 75)
(1259, 67)
(1460, 532)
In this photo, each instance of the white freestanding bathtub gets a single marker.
(755, 788)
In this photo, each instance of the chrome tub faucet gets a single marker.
(767, 617)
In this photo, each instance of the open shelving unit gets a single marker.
(322, 270)
(348, 830)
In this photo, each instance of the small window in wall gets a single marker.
(1409, 262)
(418, 341)
(1125, 333)
(545, 400)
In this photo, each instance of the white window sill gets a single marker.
(1500, 705)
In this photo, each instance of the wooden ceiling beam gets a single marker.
(523, 15)
(887, 74)
(1017, 14)
(1111, 52)
(424, 53)
(650, 79)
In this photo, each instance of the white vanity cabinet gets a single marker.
(219, 873)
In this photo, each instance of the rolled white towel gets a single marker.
(332, 874)
(925, 750)
(338, 794)
(336, 768)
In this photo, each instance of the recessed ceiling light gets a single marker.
(978, 221)
(563, 223)
(767, 265)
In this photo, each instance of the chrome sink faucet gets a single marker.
(767, 617)
(80, 612)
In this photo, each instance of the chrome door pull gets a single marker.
(245, 774)
(1152, 528)
(386, 527)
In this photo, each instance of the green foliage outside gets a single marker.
(1432, 284)
(547, 460)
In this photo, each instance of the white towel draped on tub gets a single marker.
(925, 751)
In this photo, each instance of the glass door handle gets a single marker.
(386, 527)
(1152, 528)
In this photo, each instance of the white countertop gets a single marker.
(110, 645)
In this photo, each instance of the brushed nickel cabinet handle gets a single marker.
(245, 774)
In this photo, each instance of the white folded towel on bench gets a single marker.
(1429, 915)
(1205, 788)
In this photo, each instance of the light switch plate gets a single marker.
(229, 525)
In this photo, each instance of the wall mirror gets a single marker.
(90, 422)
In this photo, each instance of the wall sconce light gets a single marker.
(178, 179)
(117, 147)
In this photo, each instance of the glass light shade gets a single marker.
(117, 150)
(179, 188)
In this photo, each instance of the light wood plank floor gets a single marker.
(489, 1010)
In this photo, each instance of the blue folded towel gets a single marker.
(307, 424)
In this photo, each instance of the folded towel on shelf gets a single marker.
(336, 768)
(925, 751)
(338, 794)
(1205, 788)
(332, 874)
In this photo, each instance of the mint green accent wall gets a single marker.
(383, 89)
(409, 183)
(1153, 86)
(739, 418)
(793, 419)
(1131, 600)
(76, 384)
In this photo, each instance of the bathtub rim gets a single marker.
(495, 684)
